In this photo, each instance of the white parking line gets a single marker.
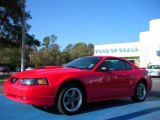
(124, 110)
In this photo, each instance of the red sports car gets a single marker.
(81, 81)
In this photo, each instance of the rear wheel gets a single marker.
(140, 92)
(71, 99)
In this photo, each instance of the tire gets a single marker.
(71, 99)
(140, 92)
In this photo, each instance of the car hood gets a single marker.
(44, 72)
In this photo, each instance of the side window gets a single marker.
(105, 64)
(128, 66)
(115, 64)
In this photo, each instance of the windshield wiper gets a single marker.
(72, 67)
(76, 67)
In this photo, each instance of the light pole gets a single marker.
(57, 60)
(23, 37)
(30, 56)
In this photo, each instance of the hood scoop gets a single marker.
(49, 67)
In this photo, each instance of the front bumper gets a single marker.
(154, 73)
(38, 95)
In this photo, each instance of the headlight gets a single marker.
(34, 81)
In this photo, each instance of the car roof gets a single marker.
(120, 58)
(108, 57)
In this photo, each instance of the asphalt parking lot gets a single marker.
(119, 109)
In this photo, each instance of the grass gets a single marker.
(2, 80)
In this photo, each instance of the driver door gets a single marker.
(116, 78)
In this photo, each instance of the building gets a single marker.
(142, 53)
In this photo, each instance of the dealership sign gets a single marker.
(117, 50)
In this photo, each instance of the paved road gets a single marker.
(119, 109)
(1, 88)
(3, 76)
(156, 84)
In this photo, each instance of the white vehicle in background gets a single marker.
(30, 68)
(154, 70)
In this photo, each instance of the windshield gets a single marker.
(85, 63)
(154, 67)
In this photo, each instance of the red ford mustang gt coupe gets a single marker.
(81, 81)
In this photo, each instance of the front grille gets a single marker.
(13, 80)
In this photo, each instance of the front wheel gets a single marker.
(140, 92)
(71, 99)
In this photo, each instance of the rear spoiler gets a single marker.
(143, 68)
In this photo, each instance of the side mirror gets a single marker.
(103, 69)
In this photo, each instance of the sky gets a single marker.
(91, 21)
